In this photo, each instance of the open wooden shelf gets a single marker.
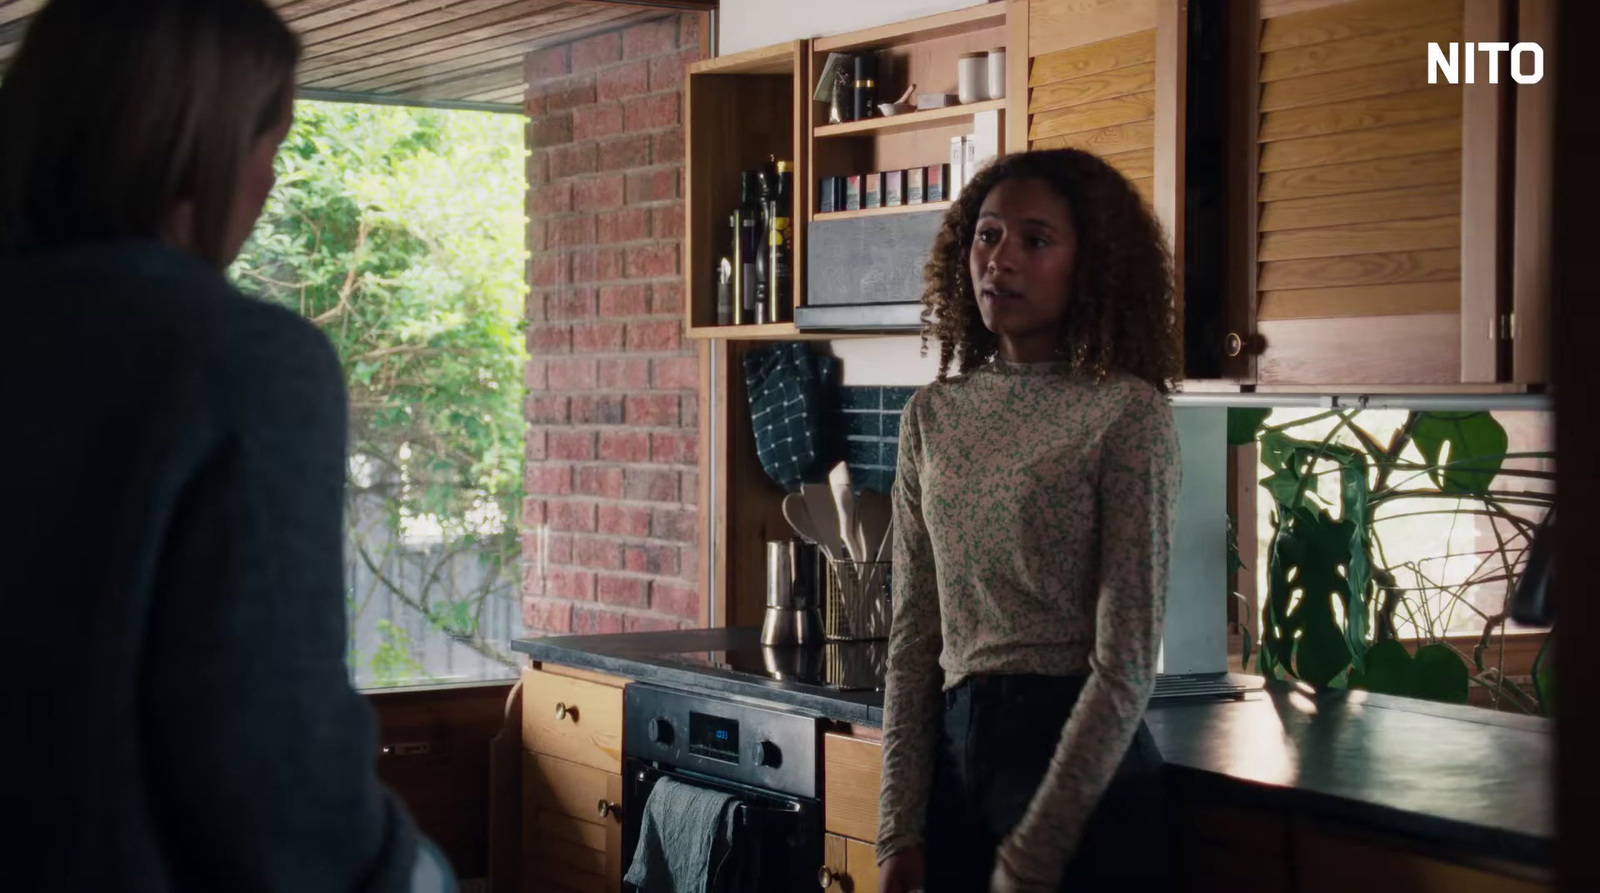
(880, 212)
(745, 333)
(909, 119)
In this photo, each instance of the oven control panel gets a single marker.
(725, 737)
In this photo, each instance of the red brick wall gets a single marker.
(610, 526)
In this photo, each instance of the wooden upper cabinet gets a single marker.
(1380, 216)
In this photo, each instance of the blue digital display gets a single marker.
(714, 736)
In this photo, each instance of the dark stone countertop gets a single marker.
(1461, 778)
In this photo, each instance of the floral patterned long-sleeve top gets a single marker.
(1033, 518)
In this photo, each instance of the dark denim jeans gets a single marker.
(999, 735)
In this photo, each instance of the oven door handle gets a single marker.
(647, 776)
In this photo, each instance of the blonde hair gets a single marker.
(112, 112)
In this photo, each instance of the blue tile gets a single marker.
(865, 454)
(891, 455)
(863, 424)
(861, 398)
(879, 480)
(891, 425)
(895, 398)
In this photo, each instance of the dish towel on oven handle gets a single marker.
(791, 393)
(687, 841)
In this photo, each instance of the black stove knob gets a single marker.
(767, 754)
(661, 730)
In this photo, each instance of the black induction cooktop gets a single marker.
(837, 666)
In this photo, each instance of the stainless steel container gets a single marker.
(792, 616)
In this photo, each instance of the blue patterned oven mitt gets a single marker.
(791, 393)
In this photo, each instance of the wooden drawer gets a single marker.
(852, 864)
(567, 844)
(574, 719)
(851, 770)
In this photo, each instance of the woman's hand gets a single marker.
(902, 872)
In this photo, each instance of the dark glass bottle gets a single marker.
(747, 249)
(767, 184)
(866, 87)
(780, 241)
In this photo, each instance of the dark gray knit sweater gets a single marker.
(176, 711)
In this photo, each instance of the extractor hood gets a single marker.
(895, 317)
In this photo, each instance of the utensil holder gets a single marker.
(857, 600)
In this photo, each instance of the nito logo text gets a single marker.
(1448, 59)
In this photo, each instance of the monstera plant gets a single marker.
(1333, 603)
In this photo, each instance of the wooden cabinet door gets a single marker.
(851, 773)
(1378, 255)
(851, 866)
(569, 842)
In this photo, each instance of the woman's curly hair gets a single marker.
(1120, 315)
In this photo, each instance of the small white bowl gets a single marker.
(890, 109)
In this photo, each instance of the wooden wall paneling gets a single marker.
(1531, 234)
(1423, 349)
(1138, 48)
(1363, 145)
(1134, 165)
(1244, 84)
(1403, 299)
(1418, 234)
(1018, 63)
(1092, 87)
(1485, 184)
(1146, 188)
(1428, 104)
(1426, 169)
(1172, 58)
(1358, 18)
(1440, 265)
(1361, 207)
(1060, 24)
(1410, 45)
(1139, 135)
(1338, 86)
(1094, 116)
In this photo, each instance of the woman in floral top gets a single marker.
(1033, 515)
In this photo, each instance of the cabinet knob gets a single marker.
(606, 809)
(565, 712)
(1235, 344)
(824, 877)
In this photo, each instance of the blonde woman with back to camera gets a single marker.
(173, 551)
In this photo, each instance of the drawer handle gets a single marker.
(565, 712)
(824, 877)
(608, 809)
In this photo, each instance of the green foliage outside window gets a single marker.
(400, 234)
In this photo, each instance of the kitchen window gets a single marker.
(399, 232)
(1450, 521)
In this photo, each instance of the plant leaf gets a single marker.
(1440, 675)
(1390, 669)
(1477, 449)
(1244, 423)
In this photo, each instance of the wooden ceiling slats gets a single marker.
(402, 54)
(485, 54)
(426, 26)
(419, 50)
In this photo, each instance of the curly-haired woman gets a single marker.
(1033, 514)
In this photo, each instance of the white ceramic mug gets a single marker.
(972, 78)
(997, 73)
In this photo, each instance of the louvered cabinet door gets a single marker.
(1378, 255)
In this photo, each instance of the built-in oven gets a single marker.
(768, 758)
